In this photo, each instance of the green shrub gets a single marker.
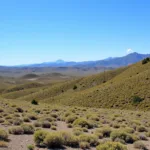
(77, 131)
(26, 119)
(146, 60)
(53, 123)
(129, 130)
(84, 145)
(3, 135)
(71, 119)
(53, 128)
(34, 102)
(148, 134)
(37, 111)
(119, 134)
(37, 124)
(75, 87)
(8, 117)
(46, 124)
(98, 134)
(17, 122)
(53, 140)
(140, 145)
(91, 139)
(1, 110)
(106, 132)
(69, 139)
(67, 114)
(7, 123)
(136, 99)
(30, 147)
(33, 117)
(142, 137)
(93, 117)
(85, 129)
(2, 120)
(111, 146)
(39, 137)
(20, 110)
(54, 115)
(116, 125)
(50, 119)
(69, 125)
(16, 130)
(82, 123)
(141, 129)
(28, 129)
(16, 115)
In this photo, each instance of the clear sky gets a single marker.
(33, 31)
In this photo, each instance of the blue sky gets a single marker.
(33, 31)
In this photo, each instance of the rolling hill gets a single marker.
(110, 89)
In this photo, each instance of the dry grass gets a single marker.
(112, 89)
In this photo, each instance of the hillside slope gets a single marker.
(116, 93)
(56, 89)
(111, 89)
(68, 86)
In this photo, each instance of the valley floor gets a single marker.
(90, 126)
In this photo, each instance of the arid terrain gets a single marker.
(109, 110)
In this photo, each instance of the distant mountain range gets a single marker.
(108, 62)
(72, 68)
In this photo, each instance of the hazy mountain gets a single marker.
(119, 61)
(108, 62)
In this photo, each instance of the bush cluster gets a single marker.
(60, 139)
(23, 129)
(146, 60)
(3, 135)
(111, 146)
(122, 136)
(34, 102)
(136, 99)
(82, 123)
(140, 145)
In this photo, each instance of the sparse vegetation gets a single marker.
(82, 123)
(126, 137)
(84, 145)
(3, 135)
(34, 102)
(16, 130)
(75, 87)
(30, 147)
(3, 144)
(28, 129)
(46, 124)
(140, 145)
(79, 122)
(146, 60)
(136, 99)
(91, 139)
(39, 137)
(111, 146)
(53, 140)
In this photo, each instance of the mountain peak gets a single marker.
(134, 53)
(60, 61)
